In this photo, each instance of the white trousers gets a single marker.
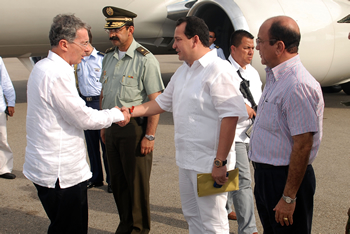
(6, 156)
(206, 214)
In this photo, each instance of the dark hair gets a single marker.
(236, 37)
(129, 23)
(290, 38)
(195, 26)
(65, 27)
(90, 36)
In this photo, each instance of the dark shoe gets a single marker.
(232, 216)
(109, 188)
(94, 184)
(9, 176)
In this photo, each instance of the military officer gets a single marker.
(130, 76)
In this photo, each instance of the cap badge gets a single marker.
(109, 11)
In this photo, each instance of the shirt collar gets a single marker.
(279, 71)
(205, 59)
(236, 66)
(130, 52)
(93, 55)
(56, 58)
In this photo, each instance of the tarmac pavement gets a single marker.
(22, 212)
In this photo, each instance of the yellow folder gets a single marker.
(205, 183)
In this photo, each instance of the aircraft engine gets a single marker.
(324, 48)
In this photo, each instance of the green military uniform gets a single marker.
(128, 81)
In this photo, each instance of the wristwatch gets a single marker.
(288, 199)
(219, 163)
(150, 137)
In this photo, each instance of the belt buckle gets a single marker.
(88, 99)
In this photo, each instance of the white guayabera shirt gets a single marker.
(200, 96)
(56, 118)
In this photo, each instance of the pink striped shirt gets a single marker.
(291, 104)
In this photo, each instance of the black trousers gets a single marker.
(269, 185)
(66, 208)
(93, 141)
(130, 173)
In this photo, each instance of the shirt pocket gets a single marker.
(129, 89)
(268, 117)
(95, 73)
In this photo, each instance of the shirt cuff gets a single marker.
(117, 115)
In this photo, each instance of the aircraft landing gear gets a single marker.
(346, 88)
(332, 89)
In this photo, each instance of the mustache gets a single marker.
(114, 38)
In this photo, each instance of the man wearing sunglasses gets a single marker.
(212, 38)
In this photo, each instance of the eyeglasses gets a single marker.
(83, 46)
(259, 41)
(114, 30)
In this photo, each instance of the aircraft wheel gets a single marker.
(346, 88)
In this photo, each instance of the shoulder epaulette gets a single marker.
(142, 51)
(100, 53)
(217, 47)
(109, 50)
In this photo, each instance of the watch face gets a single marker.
(217, 163)
(150, 137)
(288, 200)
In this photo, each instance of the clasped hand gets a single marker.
(126, 114)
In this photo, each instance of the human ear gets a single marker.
(280, 47)
(195, 40)
(233, 48)
(131, 29)
(63, 44)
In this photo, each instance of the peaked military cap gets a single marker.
(117, 17)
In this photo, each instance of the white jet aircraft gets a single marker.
(324, 24)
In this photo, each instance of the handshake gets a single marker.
(127, 115)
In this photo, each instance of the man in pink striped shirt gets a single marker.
(287, 131)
